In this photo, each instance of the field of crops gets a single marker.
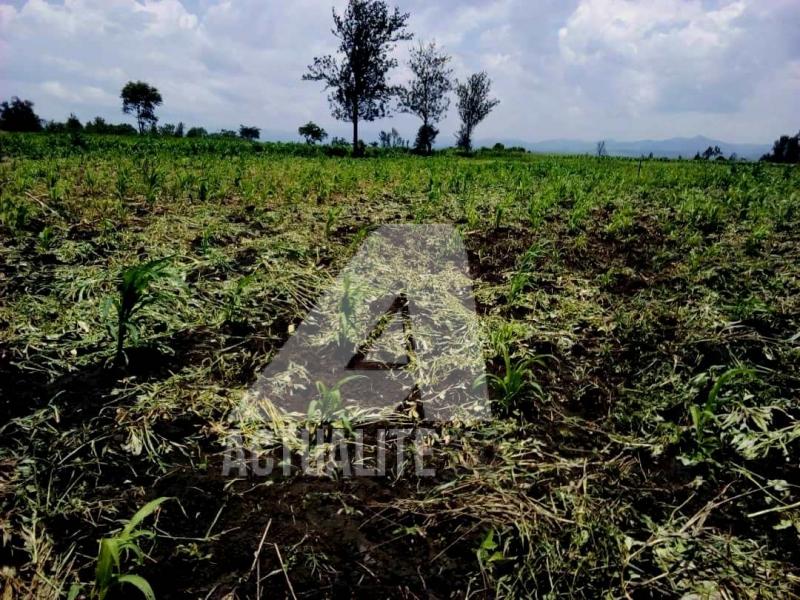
(640, 320)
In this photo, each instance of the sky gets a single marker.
(582, 69)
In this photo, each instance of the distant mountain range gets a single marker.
(670, 148)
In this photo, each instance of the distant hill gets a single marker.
(669, 148)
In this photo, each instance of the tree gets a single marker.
(786, 149)
(426, 135)
(367, 32)
(179, 129)
(247, 132)
(73, 124)
(474, 104)
(141, 99)
(710, 152)
(426, 95)
(312, 133)
(601, 149)
(18, 115)
(196, 132)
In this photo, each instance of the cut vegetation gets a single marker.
(641, 328)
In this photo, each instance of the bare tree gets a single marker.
(601, 148)
(474, 105)
(426, 95)
(367, 32)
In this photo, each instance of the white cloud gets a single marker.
(668, 54)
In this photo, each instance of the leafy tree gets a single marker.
(426, 135)
(367, 32)
(474, 104)
(179, 129)
(426, 95)
(196, 132)
(141, 99)
(73, 124)
(249, 133)
(18, 115)
(312, 133)
(786, 149)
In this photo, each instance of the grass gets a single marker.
(652, 453)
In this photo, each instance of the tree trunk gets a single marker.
(356, 149)
(428, 147)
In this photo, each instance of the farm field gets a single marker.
(640, 322)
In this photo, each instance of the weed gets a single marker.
(488, 553)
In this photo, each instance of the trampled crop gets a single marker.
(651, 450)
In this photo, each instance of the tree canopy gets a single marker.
(141, 99)
(312, 132)
(786, 149)
(18, 115)
(248, 132)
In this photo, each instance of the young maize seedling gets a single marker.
(702, 415)
(108, 572)
(134, 293)
(517, 378)
(328, 404)
(330, 219)
(122, 184)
